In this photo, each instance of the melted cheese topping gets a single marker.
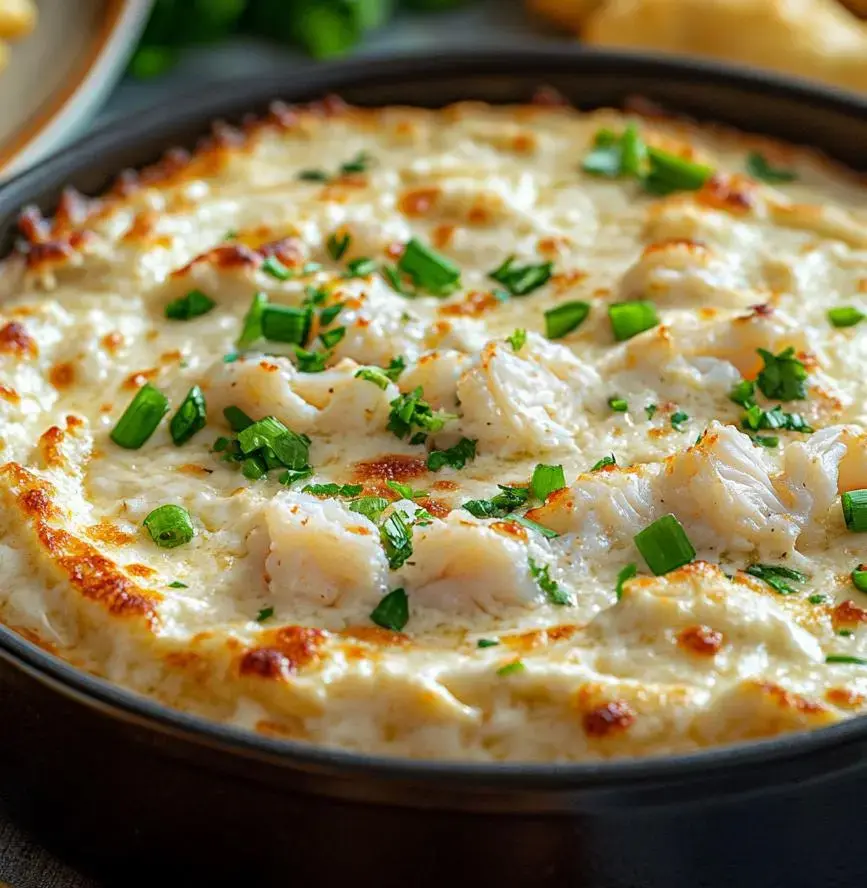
(704, 655)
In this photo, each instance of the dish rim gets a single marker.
(190, 110)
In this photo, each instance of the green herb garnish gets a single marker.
(170, 526)
(758, 167)
(141, 418)
(783, 376)
(521, 280)
(551, 589)
(665, 545)
(565, 318)
(192, 305)
(455, 457)
(775, 576)
(190, 418)
(428, 269)
(393, 611)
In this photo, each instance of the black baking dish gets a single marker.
(140, 794)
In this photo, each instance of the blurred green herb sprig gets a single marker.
(324, 28)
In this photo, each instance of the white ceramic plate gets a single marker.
(59, 75)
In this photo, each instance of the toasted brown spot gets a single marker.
(510, 529)
(267, 663)
(524, 143)
(195, 470)
(691, 246)
(844, 698)
(374, 635)
(293, 648)
(15, 340)
(225, 256)
(9, 394)
(391, 467)
(847, 613)
(567, 279)
(442, 236)
(445, 485)
(140, 570)
(538, 638)
(734, 194)
(788, 700)
(33, 494)
(139, 378)
(610, 718)
(49, 447)
(418, 202)
(111, 342)
(106, 532)
(142, 227)
(62, 375)
(700, 640)
(436, 507)
(358, 530)
(551, 246)
(95, 576)
(473, 306)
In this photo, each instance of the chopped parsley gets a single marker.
(755, 418)
(499, 506)
(546, 480)
(177, 584)
(487, 643)
(743, 393)
(783, 376)
(265, 614)
(455, 457)
(512, 668)
(679, 420)
(819, 599)
(348, 490)
(517, 339)
(313, 176)
(358, 164)
(410, 410)
(758, 167)
(650, 410)
(337, 245)
(609, 460)
(776, 575)
(371, 507)
(623, 578)
(396, 536)
(551, 588)
(393, 611)
(521, 280)
(404, 490)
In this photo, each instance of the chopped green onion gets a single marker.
(618, 405)
(291, 449)
(170, 526)
(396, 536)
(177, 584)
(758, 167)
(859, 578)
(313, 176)
(669, 173)
(604, 462)
(190, 418)
(327, 315)
(512, 668)
(369, 506)
(237, 419)
(265, 614)
(854, 504)
(273, 266)
(393, 611)
(293, 476)
(374, 375)
(311, 361)
(330, 338)
(633, 152)
(650, 410)
(517, 339)
(192, 305)
(395, 367)
(551, 588)
(665, 545)
(628, 319)
(455, 457)
(783, 376)
(522, 280)
(487, 643)
(775, 576)
(623, 578)
(361, 267)
(338, 245)
(845, 316)
(679, 420)
(546, 480)
(845, 658)
(393, 276)
(141, 418)
(534, 526)
(315, 295)
(251, 329)
(819, 599)
(283, 323)
(428, 269)
(253, 468)
(768, 441)
(565, 318)
(230, 358)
